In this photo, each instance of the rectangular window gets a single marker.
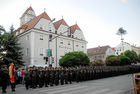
(41, 51)
(41, 37)
(68, 42)
(41, 27)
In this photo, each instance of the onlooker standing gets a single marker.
(22, 72)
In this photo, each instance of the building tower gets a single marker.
(28, 15)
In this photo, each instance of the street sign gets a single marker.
(49, 52)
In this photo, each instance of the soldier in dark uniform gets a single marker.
(56, 80)
(41, 78)
(34, 77)
(46, 77)
(52, 76)
(70, 75)
(27, 78)
(4, 78)
(62, 76)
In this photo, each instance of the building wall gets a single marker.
(109, 52)
(38, 44)
(25, 41)
(136, 49)
(119, 49)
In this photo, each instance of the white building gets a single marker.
(34, 33)
(126, 46)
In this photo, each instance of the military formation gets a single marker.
(35, 77)
(39, 77)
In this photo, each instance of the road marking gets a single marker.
(79, 91)
(65, 90)
(115, 92)
(58, 88)
(102, 91)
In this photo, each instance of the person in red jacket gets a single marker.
(22, 76)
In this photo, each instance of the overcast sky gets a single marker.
(98, 19)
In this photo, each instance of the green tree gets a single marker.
(139, 58)
(2, 37)
(98, 62)
(132, 55)
(121, 32)
(12, 49)
(74, 59)
(124, 60)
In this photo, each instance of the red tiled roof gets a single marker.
(58, 23)
(97, 50)
(74, 27)
(113, 49)
(29, 25)
(30, 8)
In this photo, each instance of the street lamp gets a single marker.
(49, 40)
(52, 38)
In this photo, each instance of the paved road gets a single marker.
(113, 85)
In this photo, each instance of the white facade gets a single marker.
(35, 41)
(127, 46)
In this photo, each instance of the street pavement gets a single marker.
(113, 85)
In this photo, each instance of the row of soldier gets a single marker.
(39, 77)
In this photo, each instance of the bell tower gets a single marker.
(28, 15)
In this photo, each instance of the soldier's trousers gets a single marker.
(13, 85)
(4, 86)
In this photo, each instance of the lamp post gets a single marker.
(49, 40)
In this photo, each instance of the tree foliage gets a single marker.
(132, 55)
(98, 62)
(121, 32)
(139, 58)
(124, 60)
(11, 48)
(74, 59)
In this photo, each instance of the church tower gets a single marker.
(28, 15)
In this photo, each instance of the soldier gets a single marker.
(40, 78)
(62, 76)
(4, 78)
(51, 76)
(70, 75)
(56, 76)
(27, 78)
(66, 75)
(34, 77)
(46, 77)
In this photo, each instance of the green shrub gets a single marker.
(74, 59)
(124, 60)
(113, 61)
